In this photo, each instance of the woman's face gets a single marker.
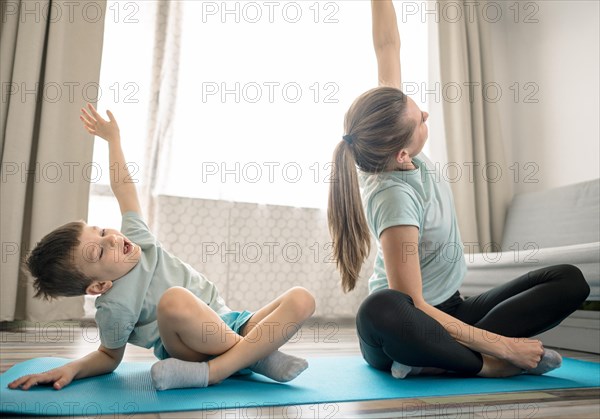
(421, 132)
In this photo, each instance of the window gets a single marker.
(263, 89)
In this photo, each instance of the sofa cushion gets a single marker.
(557, 217)
(487, 270)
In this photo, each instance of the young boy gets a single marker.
(150, 298)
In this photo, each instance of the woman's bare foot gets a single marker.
(495, 367)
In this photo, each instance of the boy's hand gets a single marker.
(60, 377)
(96, 125)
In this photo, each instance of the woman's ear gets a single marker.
(402, 156)
(98, 287)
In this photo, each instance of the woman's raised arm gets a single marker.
(386, 41)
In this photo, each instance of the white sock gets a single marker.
(279, 366)
(401, 371)
(551, 360)
(175, 373)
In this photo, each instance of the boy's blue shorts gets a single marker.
(234, 319)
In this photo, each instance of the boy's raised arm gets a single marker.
(122, 185)
(386, 41)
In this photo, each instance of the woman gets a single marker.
(414, 320)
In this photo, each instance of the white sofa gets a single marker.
(556, 226)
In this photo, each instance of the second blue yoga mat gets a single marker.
(129, 389)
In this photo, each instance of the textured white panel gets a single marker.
(254, 253)
(195, 231)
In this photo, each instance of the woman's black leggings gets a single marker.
(390, 327)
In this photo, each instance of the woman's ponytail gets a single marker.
(346, 218)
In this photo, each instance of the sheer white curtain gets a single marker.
(163, 99)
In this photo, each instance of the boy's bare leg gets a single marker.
(268, 329)
(182, 316)
(269, 325)
(189, 329)
(191, 332)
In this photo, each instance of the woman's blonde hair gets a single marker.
(377, 128)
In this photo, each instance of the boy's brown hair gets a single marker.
(52, 263)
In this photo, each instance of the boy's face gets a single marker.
(105, 254)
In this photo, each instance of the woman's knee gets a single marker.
(579, 288)
(386, 327)
(382, 308)
(575, 286)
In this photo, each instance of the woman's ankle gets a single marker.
(498, 368)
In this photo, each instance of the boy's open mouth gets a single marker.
(127, 247)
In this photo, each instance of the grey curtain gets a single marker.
(161, 113)
(50, 64)
(473, 136)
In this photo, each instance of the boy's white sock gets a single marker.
(551, 360)
(279, 366)
(401, 371)
(175, 373)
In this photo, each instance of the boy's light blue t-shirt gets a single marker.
(421, 198)
(127, 312)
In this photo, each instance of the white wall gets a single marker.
(559, 54)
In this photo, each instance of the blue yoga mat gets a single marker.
(129, 390)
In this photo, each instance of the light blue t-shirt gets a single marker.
(127, 311)
(421, 198)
